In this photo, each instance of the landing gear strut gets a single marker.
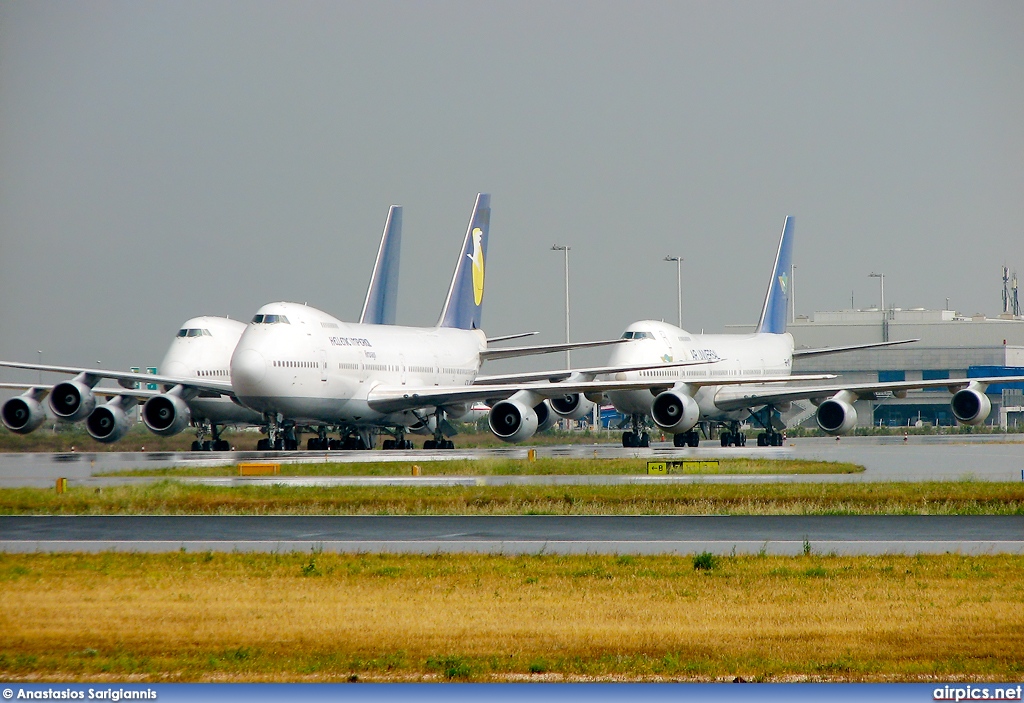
(206, 445)
(439, 441)
(278, 436)
(770, 437)
(637, 437)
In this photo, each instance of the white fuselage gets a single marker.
(742, 355)
(307, 366)
(202, 350)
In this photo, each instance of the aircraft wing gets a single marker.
(395, 399)
(739, 398)
(510, 352)
(821, 351)
(564, 374)
(102, 391)
(128, 379)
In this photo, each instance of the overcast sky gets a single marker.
(163, 160)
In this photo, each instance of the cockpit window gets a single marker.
(192, 332)
(270, 320)
(637, 335)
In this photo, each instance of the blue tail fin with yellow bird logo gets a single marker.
(464, 303)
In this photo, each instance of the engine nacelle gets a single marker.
(571, 406)
(72, 401)
(545, 418)
(970, 406)
(513, 421)
(675, 412)
(836, 415)
(166, 414)
(23, 414)
(108, 423)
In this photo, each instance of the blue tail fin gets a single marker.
(465, 299)
(382, 295)
(776, 300)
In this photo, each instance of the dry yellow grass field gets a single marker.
(385, 617)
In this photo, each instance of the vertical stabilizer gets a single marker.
(776, 300)
(465, 299)
(382, 295)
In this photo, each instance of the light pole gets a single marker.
(679, 284)
(885, 317)
(40, 363)
(563, 247)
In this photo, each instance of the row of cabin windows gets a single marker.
(270, 320)
(367, 367)
(193, 332)
(296, 364)
(220, 372)
(329, 325)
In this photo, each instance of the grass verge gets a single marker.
(328, 617)
(521, 467)
(177, 498)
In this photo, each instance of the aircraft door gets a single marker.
(401, 366)
(323, 365)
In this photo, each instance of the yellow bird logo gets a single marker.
(477, 257)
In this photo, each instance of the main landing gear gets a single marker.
(733, 436)
(439, 441)
(770, 437)
(686, 439)
(399, 441)
(280, 436)
(209, 445)
(637, 437)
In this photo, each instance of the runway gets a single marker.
(536, 534)
(919, 458)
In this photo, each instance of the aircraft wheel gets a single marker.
(388, 445)
(628, 439)
(741, 440)
(447, 444)
(334, 444)
(679, 440)
(644, 440)
(430, 444)
(221, 445)
(197, 447)
(263, 445)
(724, 437)
(693, 439)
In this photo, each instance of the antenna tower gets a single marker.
(1006, 290)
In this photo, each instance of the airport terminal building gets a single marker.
(951, 345)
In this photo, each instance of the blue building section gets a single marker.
(610, 417)
(998, 388)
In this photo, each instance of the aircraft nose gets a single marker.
(248, 368)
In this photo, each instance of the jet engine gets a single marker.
(571, 406)
(108, 422)
(72, 401)
(837, 415)
(166, 414)
(970, 405)
(674, 411)
(545, 418)
(519, 417)
(23, 413)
